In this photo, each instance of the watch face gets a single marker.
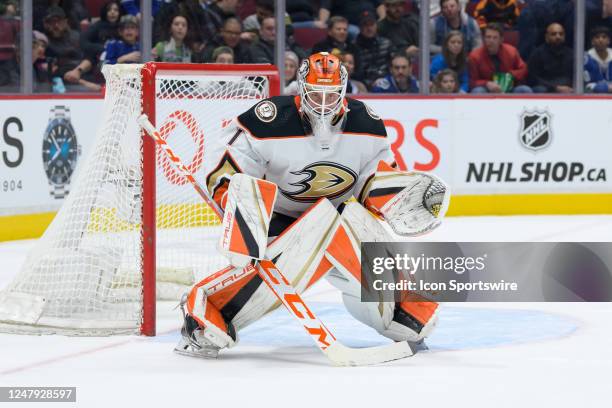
(60, 151)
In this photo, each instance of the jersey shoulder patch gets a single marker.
(266, 111)
(362, 119)
(272, 118)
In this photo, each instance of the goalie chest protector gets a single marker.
(292, 158)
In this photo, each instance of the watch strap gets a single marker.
(58, 191)
(60, 112)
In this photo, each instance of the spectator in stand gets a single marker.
(63, 48)
(446, 82)
(263, 9)
(598, 14)
(196, 18)
(453, 18)
(292, 62)
(301, 12)
(353, 86)
(497, 67)
(402, 29)
(9, 39)
(400, 79)
(252, 23)
(537, 15)
(75, 12)
(216, 12)
(598, 65)
(40, 63)
(103, 30)
(132, 7)
(178, 47)
(453, 56)
(337, 38)
(373, 50)
(262, 52)
(126, 49)
(8, 9)
(434, 6)
(228, 37)
(504, 12)
(551, 65)
(352, 10)
(223, 55)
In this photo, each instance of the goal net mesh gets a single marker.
(84, 276)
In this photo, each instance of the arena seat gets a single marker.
(307, 37)
(247, 8)
(94, 6)
(511, 37)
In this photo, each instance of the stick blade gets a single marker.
(341, 355)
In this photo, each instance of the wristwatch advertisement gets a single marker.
(60, 151)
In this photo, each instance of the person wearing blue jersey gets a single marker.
(598, 62)
(127, 48)
(400, 80)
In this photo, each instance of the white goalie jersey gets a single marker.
(273, 141)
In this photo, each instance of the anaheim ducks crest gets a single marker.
(323, 180)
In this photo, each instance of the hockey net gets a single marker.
(131, 226)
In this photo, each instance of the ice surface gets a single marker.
(481, 355)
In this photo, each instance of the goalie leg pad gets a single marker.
(299, 253)
(357, 225)
(248, 210)
(395, 320)
(210, 326)
(409, 320)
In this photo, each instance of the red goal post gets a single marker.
(131, 232)
(150, 72)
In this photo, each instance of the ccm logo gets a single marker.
(420, 139)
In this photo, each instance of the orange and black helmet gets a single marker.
(322, 79)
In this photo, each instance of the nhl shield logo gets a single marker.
(536, 132)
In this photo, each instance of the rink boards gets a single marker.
(499, 155)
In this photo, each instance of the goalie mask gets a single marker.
(322, 81)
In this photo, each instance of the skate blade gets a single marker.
(418, 346)
(186, 350)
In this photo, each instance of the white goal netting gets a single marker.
(85, 274)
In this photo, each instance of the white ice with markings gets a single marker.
(481, 355)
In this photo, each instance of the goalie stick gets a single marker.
(335, 351)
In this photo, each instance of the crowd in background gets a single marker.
(480, 46)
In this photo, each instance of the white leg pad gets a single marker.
(298, 253)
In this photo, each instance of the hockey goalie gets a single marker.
(303, 181)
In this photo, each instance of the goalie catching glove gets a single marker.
(248, 209)
(412, 203)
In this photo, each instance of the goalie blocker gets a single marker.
(320, 243)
